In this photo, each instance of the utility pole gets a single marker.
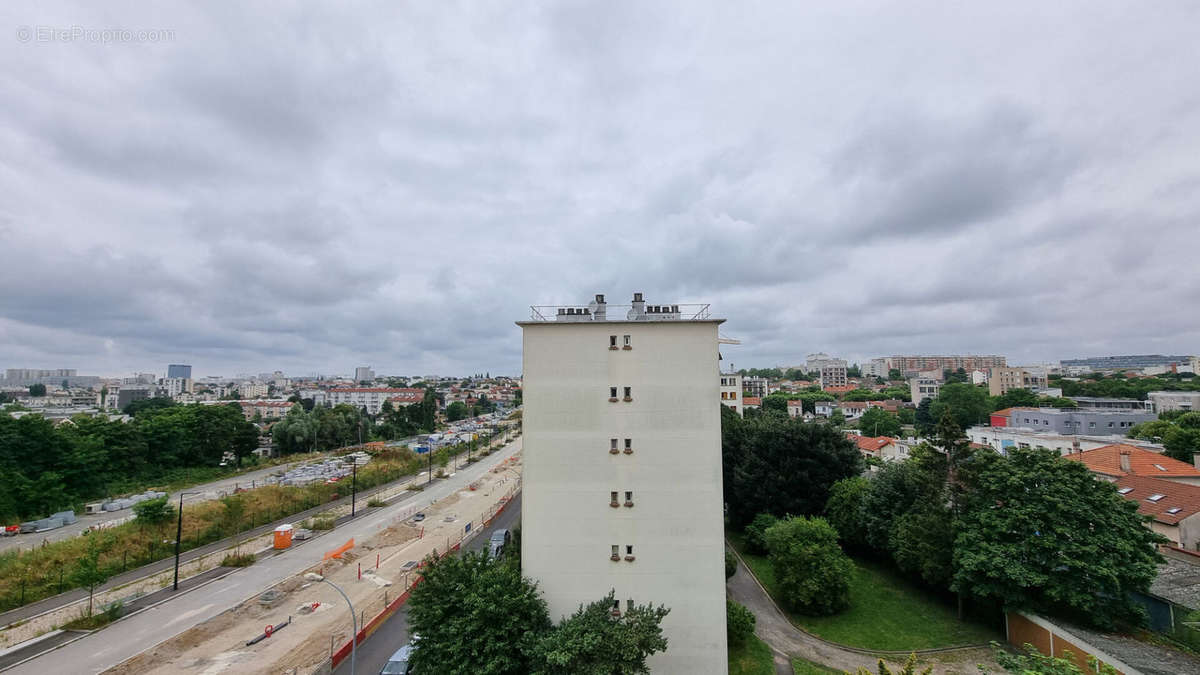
(353, 486)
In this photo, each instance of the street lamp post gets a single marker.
(313, 576)
(353, 486)
(179, 537)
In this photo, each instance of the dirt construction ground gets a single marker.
(320, 620)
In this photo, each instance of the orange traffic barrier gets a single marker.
(337, 552)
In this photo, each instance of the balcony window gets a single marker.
(616, 552)
(629, 446)
(628, 341)
(613, 446)
(613, 499)
(629, 498)
(628, 393)
(629, 553)
(612, 394)
(612, 341)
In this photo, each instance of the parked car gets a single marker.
(399, 663)
(499, 540)
(418, 517)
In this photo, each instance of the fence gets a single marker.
(1054, 640)
(383, 607)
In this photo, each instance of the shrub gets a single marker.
(376, 501)
(812, 571)
(756, 532)
(238, 560)
(739, 622)
(730, 564)
(322, 523)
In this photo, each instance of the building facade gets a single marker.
(1001, 439)
(1165, 401)
(622, 479)
(923, 387)
(833, 375)
(731, 391)
(1078, 420)
(916, 364)
(1129, 362)
(364, 374)
(179, 370)
(1002, 380)
(756, 386)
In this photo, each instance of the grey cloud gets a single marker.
(312, 189)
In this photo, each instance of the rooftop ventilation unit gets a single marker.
(638, 311)
(599, 308)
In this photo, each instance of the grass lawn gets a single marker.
(752, 658)
(886, 611)
(804, 667)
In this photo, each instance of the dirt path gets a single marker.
(787, 641)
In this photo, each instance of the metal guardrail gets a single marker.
(584, 313)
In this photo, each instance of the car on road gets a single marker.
(418, 517)
(400, 663)
(499, 540)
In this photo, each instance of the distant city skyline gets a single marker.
(396, 187)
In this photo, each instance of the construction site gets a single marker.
(304, 626)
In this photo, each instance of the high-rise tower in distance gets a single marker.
(622, 468)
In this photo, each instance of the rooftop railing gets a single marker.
(648, 312)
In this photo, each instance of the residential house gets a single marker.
(751, 403)
(795, 408)
(1113, 462)
(1175, 507)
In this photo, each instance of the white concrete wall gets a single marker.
(675, 526)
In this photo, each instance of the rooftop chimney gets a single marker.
(1075, 450)
(638, 311)
(599, 308)
(1125, 461)
(1196, 459)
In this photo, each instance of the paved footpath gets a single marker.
(786, 641)
(125, 639)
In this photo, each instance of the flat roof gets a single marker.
(623, 322)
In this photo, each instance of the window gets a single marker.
(1124, 490)
(628, 446)
(628, 393)
(1160, 467)
(733, 396)
(1155, 497)
(612, 448)
(629, 342)
(1174, 509)
(612, 341)
(629, 498)
(1091, 425)
(612, 393)
(628, 550)
(629, 604)
(616, 552)
(1110, 425)
(613, 499)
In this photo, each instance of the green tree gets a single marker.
(153, 512)
(845, 512)
(776, 457)
(475, 615)
(1014, 398)
(87, 572)
(756, 532)
(895, 374)
(739, 623)
(730, 565)
(596, 641)
(923, 416)
(909, 668)
(967, 403)
(812, 571)
(456, 411)
(879, 422)
(37, 390)
(861, 395)
(893, 490)
(906, 415)
(1039, 533)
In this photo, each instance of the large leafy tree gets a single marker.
(845, 512)
(968, 404)
(879, 422)
(786, 466)
(812, 571)
(475, 615)
(595, 641)
(1038, 532)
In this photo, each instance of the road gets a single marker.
(205, 492)
(125, 639)
(393, 634)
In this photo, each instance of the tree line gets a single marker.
(47, 468)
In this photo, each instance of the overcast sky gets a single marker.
(310, 190)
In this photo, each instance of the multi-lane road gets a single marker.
(393, 634)
(126, 638)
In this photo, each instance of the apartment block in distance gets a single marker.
(622, 479)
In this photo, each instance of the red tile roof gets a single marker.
(1107, 461)
(871, 444)
(376, 390)
(1185, 498)
(795, 404)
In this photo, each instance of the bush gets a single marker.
(322, 523)
(238, 560)
(739, 622)
(756, 532)
(812, 571)
(844, 510)
(376, 501)
(730, 564)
